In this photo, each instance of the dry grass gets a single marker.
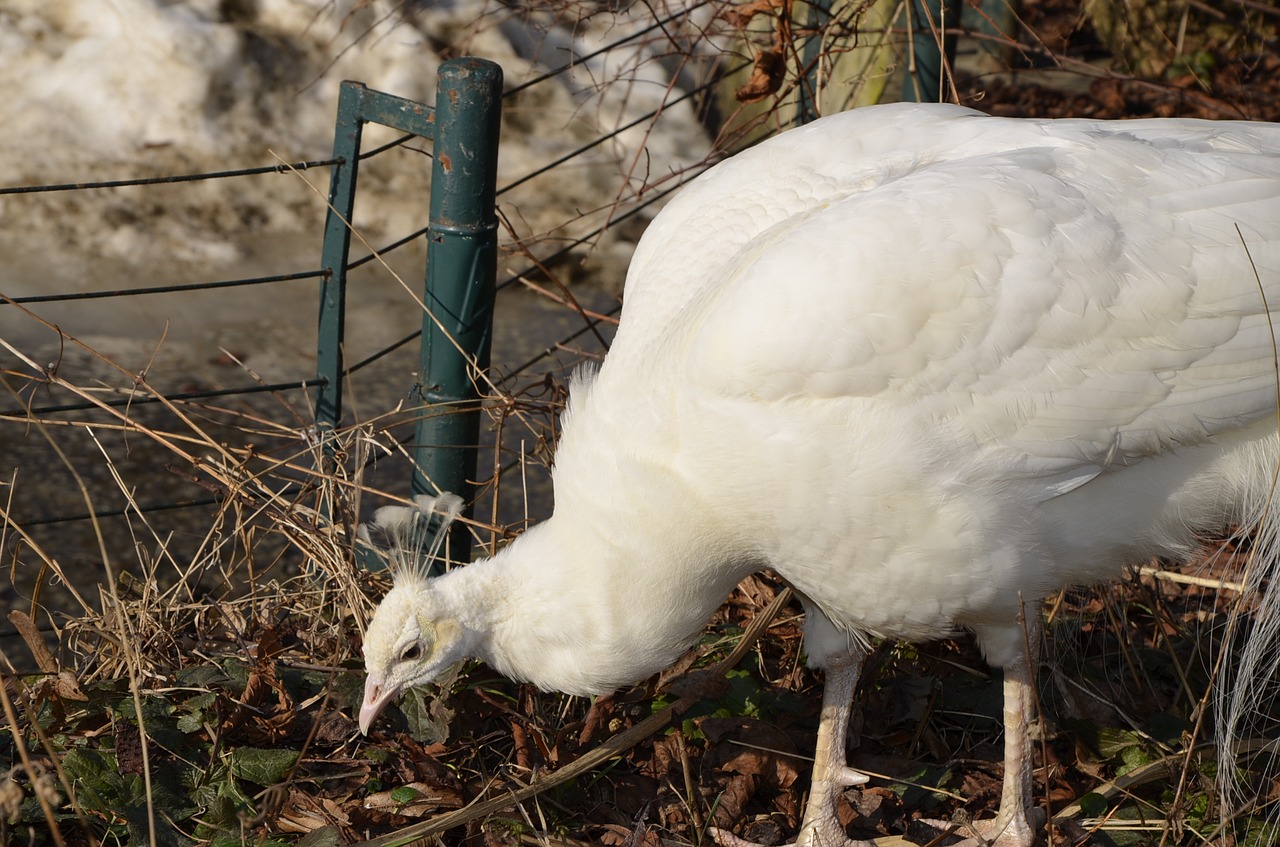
(203, 690)
(208, 696)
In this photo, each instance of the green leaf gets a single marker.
(1112, 742)
(222, 801)
(916, 795)
(237, 673)
(102, 788)
(691, 730)
(202, 676)
(1133, 758)
(193, 722)
(405, 794)
(428, 716)
(95, 772)
(153, 709)
(1260, 834)
(140, 828)
(262, 766)
(325, 836)
(1093, 805)
(347, 688)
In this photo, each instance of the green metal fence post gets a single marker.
(931, 21)
(809, 106)
(337, 244)
(461, 268)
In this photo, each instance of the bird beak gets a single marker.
(375, 700)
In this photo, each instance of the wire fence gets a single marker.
(649, 101)
(123, 445)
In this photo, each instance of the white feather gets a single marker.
(923, 362)
(411, 536)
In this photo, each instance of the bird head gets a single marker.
(410, 641)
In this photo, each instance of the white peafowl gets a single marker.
(929, 366)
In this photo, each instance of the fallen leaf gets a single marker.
(414, 800)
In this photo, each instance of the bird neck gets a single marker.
(596, 598)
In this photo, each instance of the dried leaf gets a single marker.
(35, 641)
(10, 800)
(128, 748)
(68, 687)
(414, 800)
(751, 747)
(766, 76)
(735, 795)
(306, 814)
(740, 16)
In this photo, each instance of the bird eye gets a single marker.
(411, 653)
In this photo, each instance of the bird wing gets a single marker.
(715, 218)
(1074, 300)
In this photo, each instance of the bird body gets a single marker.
(880, 351)
(928, 365)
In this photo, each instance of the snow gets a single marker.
(111, 89)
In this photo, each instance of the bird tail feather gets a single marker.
(1247, 688)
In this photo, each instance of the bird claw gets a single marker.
(810, 836)
(850, 776)
(1015, 832)
(725, 838)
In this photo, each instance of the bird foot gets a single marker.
(1015, 831)
(821, 827)
(810, 836)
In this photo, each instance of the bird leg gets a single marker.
(821, 826)
(1012, 826)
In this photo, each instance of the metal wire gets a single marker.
(163, 289)
(116, 513)
(162, 180)
(143, 399)
(614, 45)
(596, 142)
(589, 325)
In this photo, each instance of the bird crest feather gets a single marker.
(411, 537)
